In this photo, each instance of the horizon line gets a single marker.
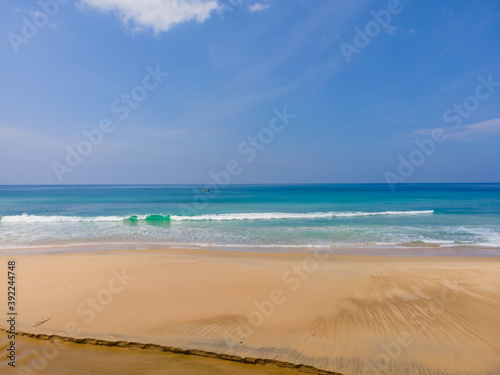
(266, 183)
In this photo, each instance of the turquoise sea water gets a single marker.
(252, 216)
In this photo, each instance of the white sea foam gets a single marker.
(285, 215)
(25, 218)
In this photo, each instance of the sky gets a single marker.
(244, 91)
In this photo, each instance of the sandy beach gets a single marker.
(340, 313)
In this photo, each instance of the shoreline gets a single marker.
(329, 311)
(397, 250)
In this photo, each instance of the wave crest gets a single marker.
(285, 215)
(25, 218)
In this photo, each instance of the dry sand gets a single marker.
(350, 314)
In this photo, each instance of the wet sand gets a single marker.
(57, 357)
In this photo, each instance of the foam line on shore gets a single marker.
(195, 352)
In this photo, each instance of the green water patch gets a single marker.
(160, 220)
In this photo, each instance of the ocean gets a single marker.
(240, 217)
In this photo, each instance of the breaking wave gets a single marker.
(25, 218)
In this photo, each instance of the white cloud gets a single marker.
(468, 132)
(10, 134)
(257, 7)
(480, 129)
(161, 15)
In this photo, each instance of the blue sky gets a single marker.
(231, 63)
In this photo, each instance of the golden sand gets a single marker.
(348, 314)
